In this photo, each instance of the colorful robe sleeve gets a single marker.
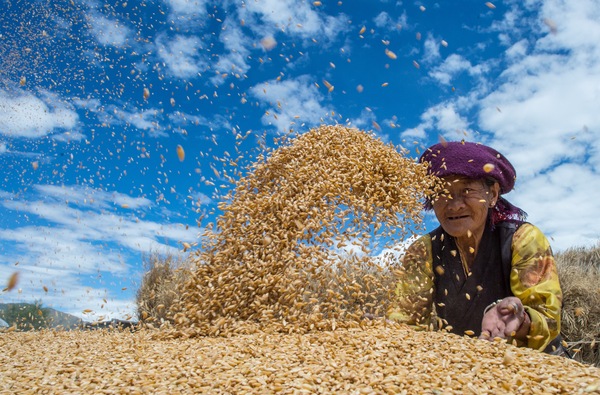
(414, 288)
(534, 280)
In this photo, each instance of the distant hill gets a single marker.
(28, 314)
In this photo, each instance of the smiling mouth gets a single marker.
(458, 217)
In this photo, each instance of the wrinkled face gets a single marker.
(464, 207)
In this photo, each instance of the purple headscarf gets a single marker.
(476, 161)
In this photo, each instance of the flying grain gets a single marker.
(280, 256)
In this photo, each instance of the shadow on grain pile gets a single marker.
(292, 250)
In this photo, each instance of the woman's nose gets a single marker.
(455, 201)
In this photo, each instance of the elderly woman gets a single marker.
(484, 271)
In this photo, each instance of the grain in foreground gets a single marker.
(374, 360)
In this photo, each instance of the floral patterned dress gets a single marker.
(433, 287)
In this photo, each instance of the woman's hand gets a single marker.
(507, 318)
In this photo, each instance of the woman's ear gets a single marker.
(495, 194)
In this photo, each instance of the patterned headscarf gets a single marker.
(476, 161)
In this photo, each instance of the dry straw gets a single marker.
(579, 273)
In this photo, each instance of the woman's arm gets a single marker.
(414, 289)
(534, 280)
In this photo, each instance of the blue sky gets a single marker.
(95, 98)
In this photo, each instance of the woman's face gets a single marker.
(464, 207)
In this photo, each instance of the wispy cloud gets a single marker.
(237, 46)
(183, 55)
(514, 23)
(30, 116)
(201, 199)
(365, 120)
(452, 66)
(291, 102)
(90, 219)
(99, 199)
(383, 20)
(542, 114)
(446, 118)
(296, 19)
(109, 31)
(561, 203)
(431, 49)
(150, 119)
(187, 6)
(73, 233)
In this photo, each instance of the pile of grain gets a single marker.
(378, 360)
(276, 279)
(291, 251)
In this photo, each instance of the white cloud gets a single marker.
(384, 21)
(109, 31)
(234, 60)
(183, 119)
(508, 26)
(187, 6)
(104, 226)
(292, 102)
(517, 51)
(286, 15)
(365, 119)
(576, 25)
(25, 115)
(331, 26)
(149, 119)
(393, 255)
(452, 66)
(299, 19)
(201, 198)
(76, 234)
(69, 136)
(562, 203)
(144, 120)
(445, 118)
(98, 198)
(542, 114)
(58, 250)
(182, 55)
(267, 18)
(431, 49)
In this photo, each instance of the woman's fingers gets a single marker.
(503, 320)
(493, 331)
(511, 305)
